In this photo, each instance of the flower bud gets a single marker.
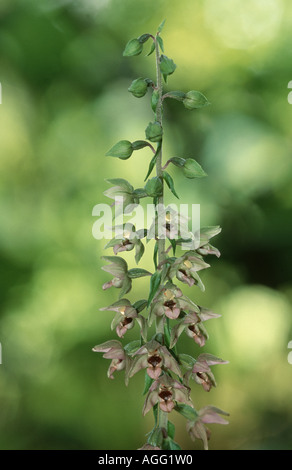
(154, 132)
(154, 187)
(123, 150)
(193, 169)
(195, 99)
(133, 47)
(138, 87)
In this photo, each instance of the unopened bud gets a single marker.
(138, 88)
(195, 99)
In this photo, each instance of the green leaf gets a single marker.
(195, 100)
(132, 347)
(138, 87)
(152, 49)
(160, 27)
(154, 187)
(167, 66)
(177, 95)
(133, 47)
(153, 132)
(154, 286)
(166, 333)
(186, 411)
(173, 244)
(155, 413)
(123, 150)
(155, 254)
(160, 42)
(140, 305)
(138, 272)
(169, 181)
(171, 429)
(169, 444)
(154, 100)
(151, 166)
(139, 250)
(193, 169)
(148, 383)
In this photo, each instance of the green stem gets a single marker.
(163, 416)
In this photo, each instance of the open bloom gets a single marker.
(125, 317)
(201, 371)
(153, 357)
(204, 246)
(119, 269)
(122, 193)
(186, 267)
(126, 239)
(192, 325)
(166, 391)
(113, 350)
(207, 415)
(169, 301)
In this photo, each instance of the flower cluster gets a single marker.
(168, 372)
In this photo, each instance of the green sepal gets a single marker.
(186, 360)
(177, 161)
(144, 37)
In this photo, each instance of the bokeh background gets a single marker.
(64, 104)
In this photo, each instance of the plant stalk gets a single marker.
(163, 416)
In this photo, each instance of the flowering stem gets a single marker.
(163, 416)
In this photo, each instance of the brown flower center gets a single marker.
(169, 304)
(165, 395)
(154, 361)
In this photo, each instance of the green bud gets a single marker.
(192, 169)
(138, 87)
(133, 47)
(154, 132)
(167, 66)
(154, 187)
(123, 150)
(195, 99)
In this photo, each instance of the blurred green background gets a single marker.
(64, 104)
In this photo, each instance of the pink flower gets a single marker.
(113, 350)
(186, 267)
(119, 269)
(153, 357)
(207, 415)
(201, 371)
(192, 325)
(166, 391)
